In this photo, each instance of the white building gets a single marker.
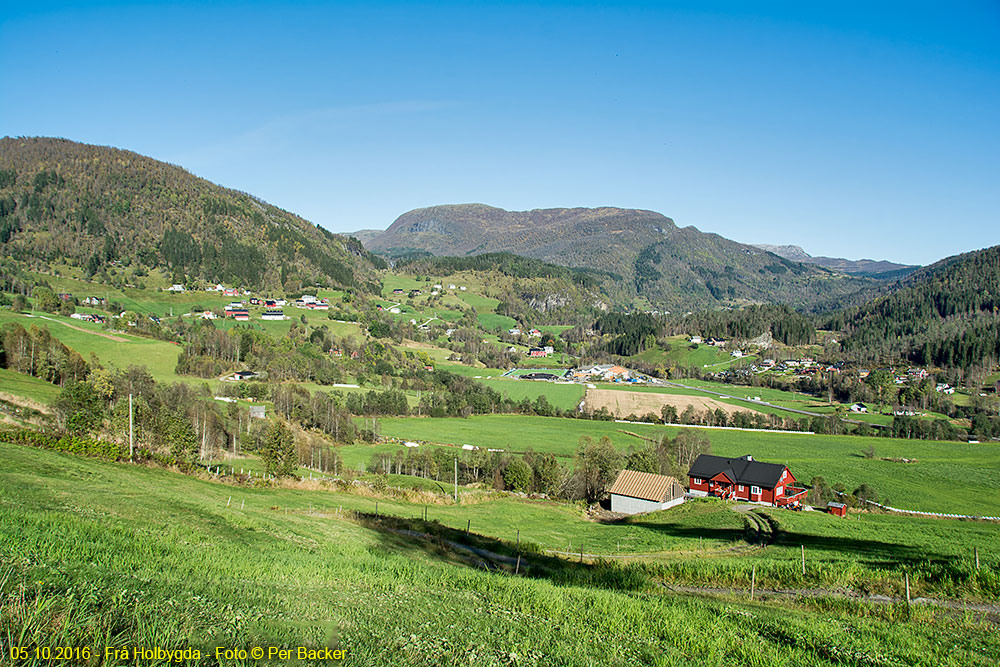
(636, 492)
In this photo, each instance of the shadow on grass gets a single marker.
(454, 546)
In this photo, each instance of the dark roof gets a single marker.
(743, 470)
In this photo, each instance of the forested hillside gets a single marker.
(946, 314)
(96, 207)
(659, 263)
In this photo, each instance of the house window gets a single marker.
(741, 487)
(696, 480)
(778, 491)
(755, 490)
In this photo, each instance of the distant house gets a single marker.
(318, 305)
(514, 332)
(537, 352)
(94, 301)
(208, 315)
(258, 411)
(858, 407)
(244, 375)
(534, 333)
(276, 314)
(837, 509)
(744, 479)
(231, 291)
(943, 388)
(65, 297)
(695, 339)
(736, 354)
(635, 492)
(397, 291)
(176, 288)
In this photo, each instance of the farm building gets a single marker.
(258, 411)
(275, 314)
(635, 492)
(744, 479)
(859, 407)
(838, 509)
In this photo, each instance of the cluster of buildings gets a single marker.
(89, 317)
(742, 479)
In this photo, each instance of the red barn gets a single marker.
(744, 479)
(837, 509)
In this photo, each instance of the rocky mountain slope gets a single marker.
(656, 262)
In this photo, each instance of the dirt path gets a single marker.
(117, 339)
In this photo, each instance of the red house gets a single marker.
(744, 479)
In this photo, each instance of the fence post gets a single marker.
(517, 568)
(907, 579)
(518, 538)
(467, 527)
(803, 558)
(753, 581)
(229, 501)
(976, 549)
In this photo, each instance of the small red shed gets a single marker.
(838, 509)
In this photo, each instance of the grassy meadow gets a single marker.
(937, 482)
(148, 556)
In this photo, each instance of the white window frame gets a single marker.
(754, 490)
(778, 491)
(742, 487)
(696, 480)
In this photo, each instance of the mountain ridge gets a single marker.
(871, 267)
(661, 264)
(102, 208)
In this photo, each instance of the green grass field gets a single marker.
(938, 482)
(158, 356)
(12, 382)
(148, 556)
(680, 352)
(562, 396)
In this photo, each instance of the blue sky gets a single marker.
(852, 129)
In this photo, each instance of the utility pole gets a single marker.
(131, 448)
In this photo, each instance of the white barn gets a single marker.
(636, 492)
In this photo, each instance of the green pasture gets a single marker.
(937, 482)
(15, 383)
(158, 356)
(140, 556)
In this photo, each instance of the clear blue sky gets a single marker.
(867, 129)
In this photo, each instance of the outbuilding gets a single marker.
(635, 492)
(837, 509)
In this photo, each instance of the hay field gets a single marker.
(625, 403)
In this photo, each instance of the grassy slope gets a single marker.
(15, 383)
(152, 557)
(158, 356)
(939, 482)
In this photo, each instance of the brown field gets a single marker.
(625, 403)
